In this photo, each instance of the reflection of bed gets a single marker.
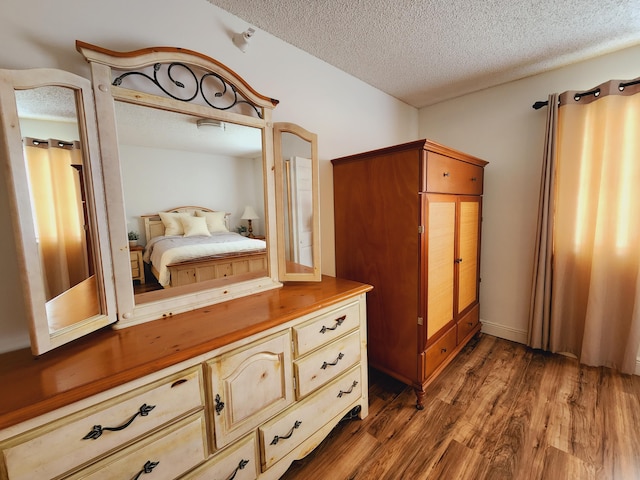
(187, 245)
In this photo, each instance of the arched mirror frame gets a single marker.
(42, 339)
(103, 63)
(290, 270)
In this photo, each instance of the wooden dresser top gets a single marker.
(108, 358)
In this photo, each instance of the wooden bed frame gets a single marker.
(241, 266)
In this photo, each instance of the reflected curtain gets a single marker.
(54, 170)
(586, 290)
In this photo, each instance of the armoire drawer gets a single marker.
(72, 441)
(468, 323)
(239, 462)
(325, 328)
(166, 455)
(321, 366)
(285, 432)
(446, 175)
(439, 351)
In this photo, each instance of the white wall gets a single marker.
(158, 179)
(499, 125)
(348, 115)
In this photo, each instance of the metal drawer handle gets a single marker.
(347, 392)
(339, 322)
(474, 179)
(219, 404)
(97, 430)
(277, 438)
(444, 350)
(243, 463)
(148, 467)
(333, 364)
(445, 174)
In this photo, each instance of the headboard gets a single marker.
(153, 226)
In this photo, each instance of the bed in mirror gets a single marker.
(59, 217)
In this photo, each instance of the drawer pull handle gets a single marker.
(445, 174)
(178, 382)
(474, 179)
(148, 467)
(243, 463)
(332, 364)
(457, 260)
(219, 404)
(97, 430)
(443, 350)
(339, 322)
(347, 392)
(277, 438)
(470, 324)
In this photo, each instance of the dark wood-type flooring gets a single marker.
(499, 411)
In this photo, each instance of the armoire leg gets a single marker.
(420, 394)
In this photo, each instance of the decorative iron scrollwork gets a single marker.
(97, 430)
(220, 90)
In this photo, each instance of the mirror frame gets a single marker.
(21, 212)
(289, 271)
(103, 62)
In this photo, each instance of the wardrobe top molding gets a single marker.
(146, 56)
(425, 144)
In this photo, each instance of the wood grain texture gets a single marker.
(499, 411)
(109, 358)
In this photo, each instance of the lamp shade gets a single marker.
(249, 214)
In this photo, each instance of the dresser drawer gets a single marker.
(166, 454)
(325, 328)
(468, 323)
(239, 462)
(439, 352)
(65, 444)
(321, 366)
(285, 432)
(446, 175)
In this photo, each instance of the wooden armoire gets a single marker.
(408, 221)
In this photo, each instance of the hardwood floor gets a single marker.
(499, 411)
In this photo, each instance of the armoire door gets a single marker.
(467, 251)
(440, 228)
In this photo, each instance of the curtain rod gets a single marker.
(621, 86)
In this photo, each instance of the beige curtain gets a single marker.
(588, 304)
(54, 169)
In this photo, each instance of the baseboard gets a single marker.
(502, 331)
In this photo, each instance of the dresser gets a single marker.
(237, 390)
(408, 222)
(137, 266)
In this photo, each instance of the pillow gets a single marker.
(194, 226)
(215, 220)
(172, 224)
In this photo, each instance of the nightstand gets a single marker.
(137, 267)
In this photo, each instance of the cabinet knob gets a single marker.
(457, 260)
(443, 350)
(474, 179)
(445, 174)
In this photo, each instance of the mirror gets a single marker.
(149, 103)
(48, 122)
(298, 202)
(170, 159)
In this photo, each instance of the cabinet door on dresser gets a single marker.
(249, 385)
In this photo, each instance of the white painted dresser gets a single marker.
(236, 390)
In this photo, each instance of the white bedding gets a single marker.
(165, 250)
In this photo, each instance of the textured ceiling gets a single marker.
(424, 52)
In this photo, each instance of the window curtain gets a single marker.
(54, 171)
(586, 289)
